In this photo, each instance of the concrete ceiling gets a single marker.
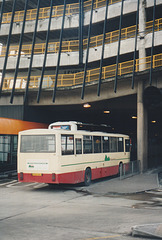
(119, 119)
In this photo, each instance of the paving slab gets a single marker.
(148, 230)
(134, 184)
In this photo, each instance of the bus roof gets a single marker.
(74, 126)
(62, 131)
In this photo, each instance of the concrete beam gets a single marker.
(72, 58)
(72, 21)
(72, 95)
(18, 99)
(67, 59)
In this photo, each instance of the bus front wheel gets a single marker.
(87, 177)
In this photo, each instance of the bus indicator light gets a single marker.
(21, 176)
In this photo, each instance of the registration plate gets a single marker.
(37, 174)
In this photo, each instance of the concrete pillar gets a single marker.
(1, 45)
(142, 125)
(142, 129)
(142, 27)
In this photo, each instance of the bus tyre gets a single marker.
(87, 177)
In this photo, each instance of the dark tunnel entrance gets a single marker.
(120, 114)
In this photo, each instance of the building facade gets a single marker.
(56, 55)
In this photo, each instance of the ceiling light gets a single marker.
(134, 117)
(86, 105)
(106, 111)
(153, 121)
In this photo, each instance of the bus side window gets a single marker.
(127, 145)
(78, 145)
(120, 145)
(67, 144)
(105, 142)
(97, 144)
(87, 144)
(113, 144)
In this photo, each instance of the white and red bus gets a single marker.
(63, 154)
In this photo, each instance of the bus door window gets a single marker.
(67, 144)
(78, 145)
(127, 145)
(97, 144)
(120, 145)
(105, 142)
(87, 144)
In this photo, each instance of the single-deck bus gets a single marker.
(63, 154)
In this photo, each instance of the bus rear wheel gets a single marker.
(87, 177)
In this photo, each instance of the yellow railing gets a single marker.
(66, 80)
(57, 11)
(72, 46)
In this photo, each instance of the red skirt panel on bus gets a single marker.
(71, 178)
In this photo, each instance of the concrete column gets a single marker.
(142, 125)
(1, 45)
(141, 42)
(142, 129)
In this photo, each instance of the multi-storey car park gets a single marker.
(56, 56)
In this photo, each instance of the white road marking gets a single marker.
(39, 185)
(7, 183)
(13, 184)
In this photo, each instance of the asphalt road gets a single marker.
(34, 211)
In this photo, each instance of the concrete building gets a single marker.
(55, 56)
